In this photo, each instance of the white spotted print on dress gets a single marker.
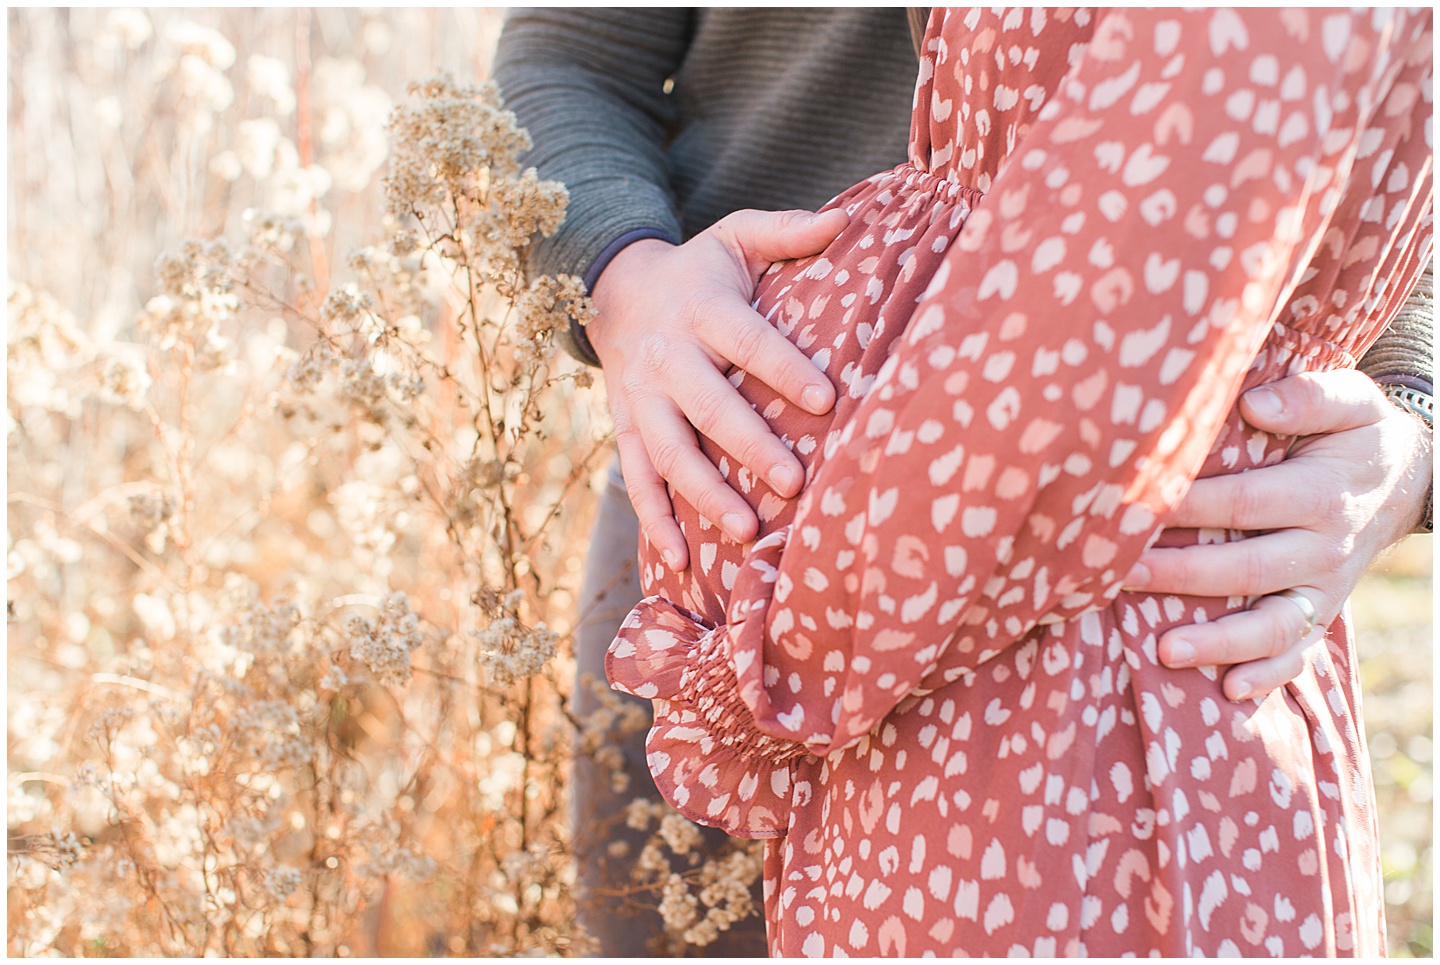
(922, 684)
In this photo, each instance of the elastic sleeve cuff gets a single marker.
(704, 751)
(579, 343)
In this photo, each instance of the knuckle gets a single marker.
(1218, 641)
(1249, 505)
(665, 456)
(1285, 633)
(1324, 502)
(1194, 568)
(1233, 643)
(1330, 557)
(1286, 669)
(706, 407)
(741, 216)
(749, 346)
(1315, 504)
(1164, 573)
(754, 452)
(759, 446)
(1343, 386)
(731, 220)
(1248, 636)
(711, 506)
(654, 356)
(635, 468)
(1254, 568)
(1277, 627)
(729, 228)
(626, 428)
(699, 311)
(641, 495)
(1305, 393)
(640, 480)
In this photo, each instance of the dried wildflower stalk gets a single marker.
(282, 725)
(699, 895)
(290, 583)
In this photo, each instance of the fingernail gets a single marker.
(1182, 653)
(734, 524)
(1266, 402)
(816, 399)
(1243, 691)
(782, 479)
(1138, 578)
(672, 560)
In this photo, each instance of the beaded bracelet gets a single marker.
(1420, 404)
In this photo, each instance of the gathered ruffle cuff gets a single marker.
(708, 758)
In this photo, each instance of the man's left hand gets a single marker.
(1351, 487)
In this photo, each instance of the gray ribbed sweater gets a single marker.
(770, 108)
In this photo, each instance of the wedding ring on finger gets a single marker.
(1307, 609)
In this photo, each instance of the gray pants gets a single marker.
(624, 925)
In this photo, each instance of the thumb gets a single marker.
(1314, 403)
(763, 237)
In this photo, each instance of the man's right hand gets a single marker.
(670, 320)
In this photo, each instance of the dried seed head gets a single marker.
(385, 646)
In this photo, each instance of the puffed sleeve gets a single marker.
(1058, 386)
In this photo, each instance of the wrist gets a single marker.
(1418, 402)
(612, 279)
(580, 344)
(616, 286)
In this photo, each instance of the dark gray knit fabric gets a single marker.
(770, 108)
(1405, 352)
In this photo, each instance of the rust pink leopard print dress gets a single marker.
(923, 684)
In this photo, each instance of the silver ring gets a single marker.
(1307, 609)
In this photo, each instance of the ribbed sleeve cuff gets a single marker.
(619, 244)
(1404, 354)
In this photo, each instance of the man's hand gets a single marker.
(1355, 485)
(669, 321)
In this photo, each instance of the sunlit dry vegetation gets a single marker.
(299, 485)
(298, 492)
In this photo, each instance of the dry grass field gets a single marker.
(1394, 618)
(297, 496)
